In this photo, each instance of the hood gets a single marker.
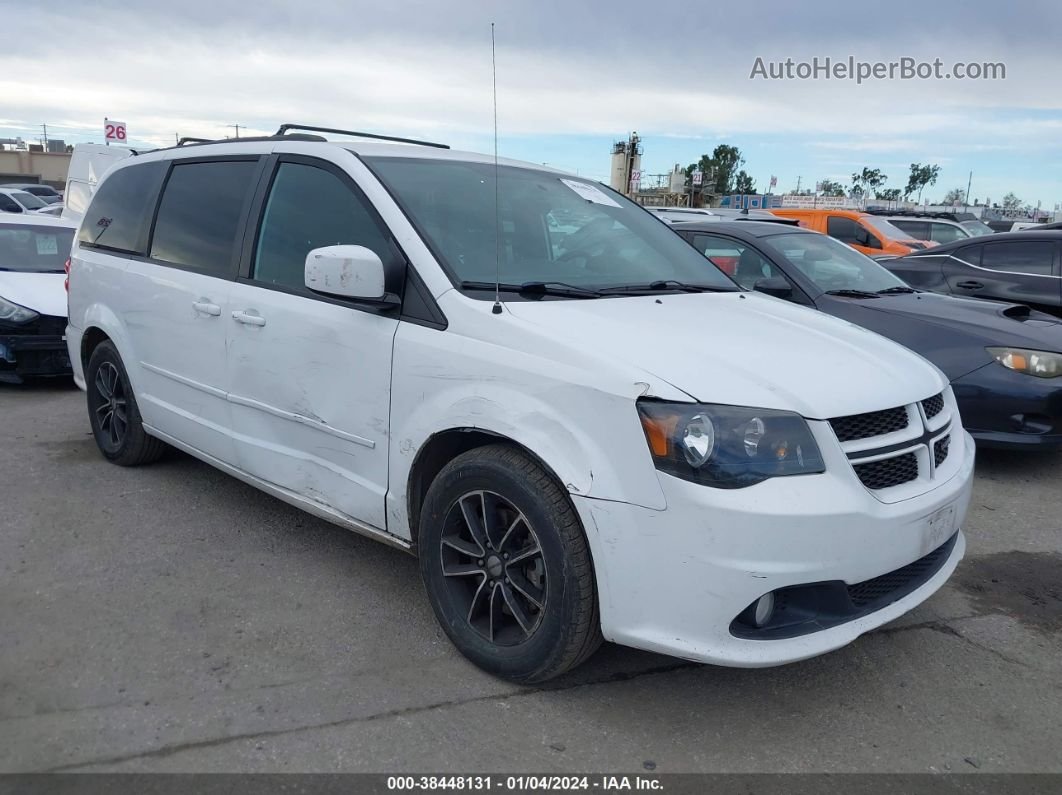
(951, 332)
(741, 349)
(41, 292)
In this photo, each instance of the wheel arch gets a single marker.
(442, 447)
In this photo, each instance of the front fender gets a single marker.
(590, 437)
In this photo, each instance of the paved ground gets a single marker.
(171, 618)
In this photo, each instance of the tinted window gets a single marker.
(309, 208)
(199, 213)
(118, 211)
(844, 229)
(1032, 257)
(735, 259)
(919, 230)
(969, 254)
(946, 233)
(9, 205)
(34, 249)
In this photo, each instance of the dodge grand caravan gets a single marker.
(581, 431)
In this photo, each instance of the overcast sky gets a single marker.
(572, 78)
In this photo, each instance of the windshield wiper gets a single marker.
(900, 288)
(852, 293)
(535, 288)
(665, 285)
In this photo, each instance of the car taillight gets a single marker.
(66, 269)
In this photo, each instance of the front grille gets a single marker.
(888, 472)
(874, 423)
(940, 450)
(41, 326)
(933, 406)
(897, 582)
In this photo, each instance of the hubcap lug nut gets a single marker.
(480, 562)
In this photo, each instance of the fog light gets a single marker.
(762, 610)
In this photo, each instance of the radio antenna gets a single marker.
(497, 308)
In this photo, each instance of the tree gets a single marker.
(743, 183)
(829, 187)
(1011, 203)
(866, 181)
(922, 176)
(892, 194)
(722, 165)
(954, 196)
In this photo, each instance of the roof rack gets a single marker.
(282, 132)
(190, 140)
(941, 214)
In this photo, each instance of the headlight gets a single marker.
(728, 447)
(13, 313)
(1038, 363)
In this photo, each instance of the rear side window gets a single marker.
(9, 205)
(919, 230)
(199, 214)
(118, 213)
(309, 208)
(1019, 257)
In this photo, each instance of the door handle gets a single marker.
(207, 308)
(970, 285)
(248, 319)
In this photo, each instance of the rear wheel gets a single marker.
(507, 567)
(113, 412)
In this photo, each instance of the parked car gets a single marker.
(938, 230)
(1009, 225)
(394, 338)
(1004, 361)
(967, 222)
(1017, 267)
(677, 215)
(88, 164)
(33, 250)
(862, 231)
(18, 201)
(46, 193)
(53, 209)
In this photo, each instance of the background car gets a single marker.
(52, 209)
(46, 193)
(862, 231)
(1004, 361)
(1020, 267)
(13, 200)
(33, 251)
(937, 226)
(677, 215)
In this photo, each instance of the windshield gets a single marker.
(554, 228)
(976, 228)
(27, 200)
(890, 231)
(832, 265)
(34, 249)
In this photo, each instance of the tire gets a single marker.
(113, 412)
(484, 581)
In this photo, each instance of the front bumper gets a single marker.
(1004, 409)
(32, 351)
(674, 581)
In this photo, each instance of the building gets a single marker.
(34, 166)
(626, 172)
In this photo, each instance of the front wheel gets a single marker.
(507, 567)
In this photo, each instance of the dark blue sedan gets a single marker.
(1004, 361)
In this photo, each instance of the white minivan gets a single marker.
(583, 429)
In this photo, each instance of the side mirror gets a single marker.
(775, 286)
(346, 272)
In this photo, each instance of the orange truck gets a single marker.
(864, 232)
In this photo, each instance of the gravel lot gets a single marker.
(170, 618)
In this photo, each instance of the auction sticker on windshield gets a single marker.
(47, 244)
(591, 193)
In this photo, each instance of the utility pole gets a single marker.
(798, 185)
(966, 202)
(45, 126)
(237, 129)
